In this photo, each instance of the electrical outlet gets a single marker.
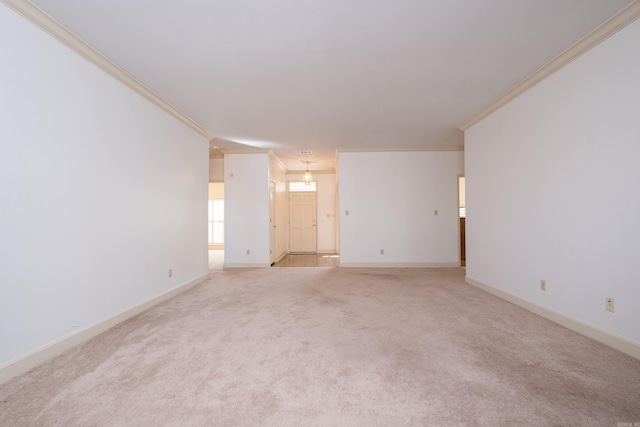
(170, 273)
(435, 212)
(248, 251)
(610, 305)
(381, 251)
(543, 285)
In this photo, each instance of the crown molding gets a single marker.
(277, 159)
(398, 149)
(54, 28)
(314, 172)
(611, 26)
(246, 151)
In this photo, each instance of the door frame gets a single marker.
(273, 230)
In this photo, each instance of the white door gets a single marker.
(272, 220)
(302, 222)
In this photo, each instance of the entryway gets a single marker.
(302, 222)
(309, 260)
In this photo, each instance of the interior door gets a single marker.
(302, 222)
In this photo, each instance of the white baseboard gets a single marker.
(40, 355)
(400, 264)
(618, 342)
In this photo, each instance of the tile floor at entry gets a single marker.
(216, 260)
(309, 260)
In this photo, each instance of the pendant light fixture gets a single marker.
(307, 176)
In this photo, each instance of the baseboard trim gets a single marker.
(246, 265)
(400, 264)
(618, 342)
(40, 355)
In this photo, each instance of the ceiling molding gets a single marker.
(611, 26)
(277, 159)
(398, 149)
(247, 151)
(54, 28)
(313, 172)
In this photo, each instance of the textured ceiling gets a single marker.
(292, 75)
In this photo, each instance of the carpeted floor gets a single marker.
(331, 347)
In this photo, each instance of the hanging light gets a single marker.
(307, 176)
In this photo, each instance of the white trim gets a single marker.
(313, 172)
(400, 264)
(608, 338)
(400, 149)
(248, 150)
(284, 168)
(611, 26)
(40, 355)
(54, 28)
(246, 265)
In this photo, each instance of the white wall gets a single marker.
(246, 217)
(326, 209)
(102, 194)
(391, 198)
(552, 190)
(277, 174)
(216, 169)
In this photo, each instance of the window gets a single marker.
(300, 186)
(216, 222)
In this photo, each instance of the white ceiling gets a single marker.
(322, 75)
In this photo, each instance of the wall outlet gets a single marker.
(248, 251)
(381, 251)
(610, 305)
(435, 212)
(170, 273)
(543, 285)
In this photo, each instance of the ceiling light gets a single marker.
(307, 176)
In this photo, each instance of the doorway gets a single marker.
(302, 222)
(462, 215)
(272, 223)
(216, 225)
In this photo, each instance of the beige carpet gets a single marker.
(331, 347)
